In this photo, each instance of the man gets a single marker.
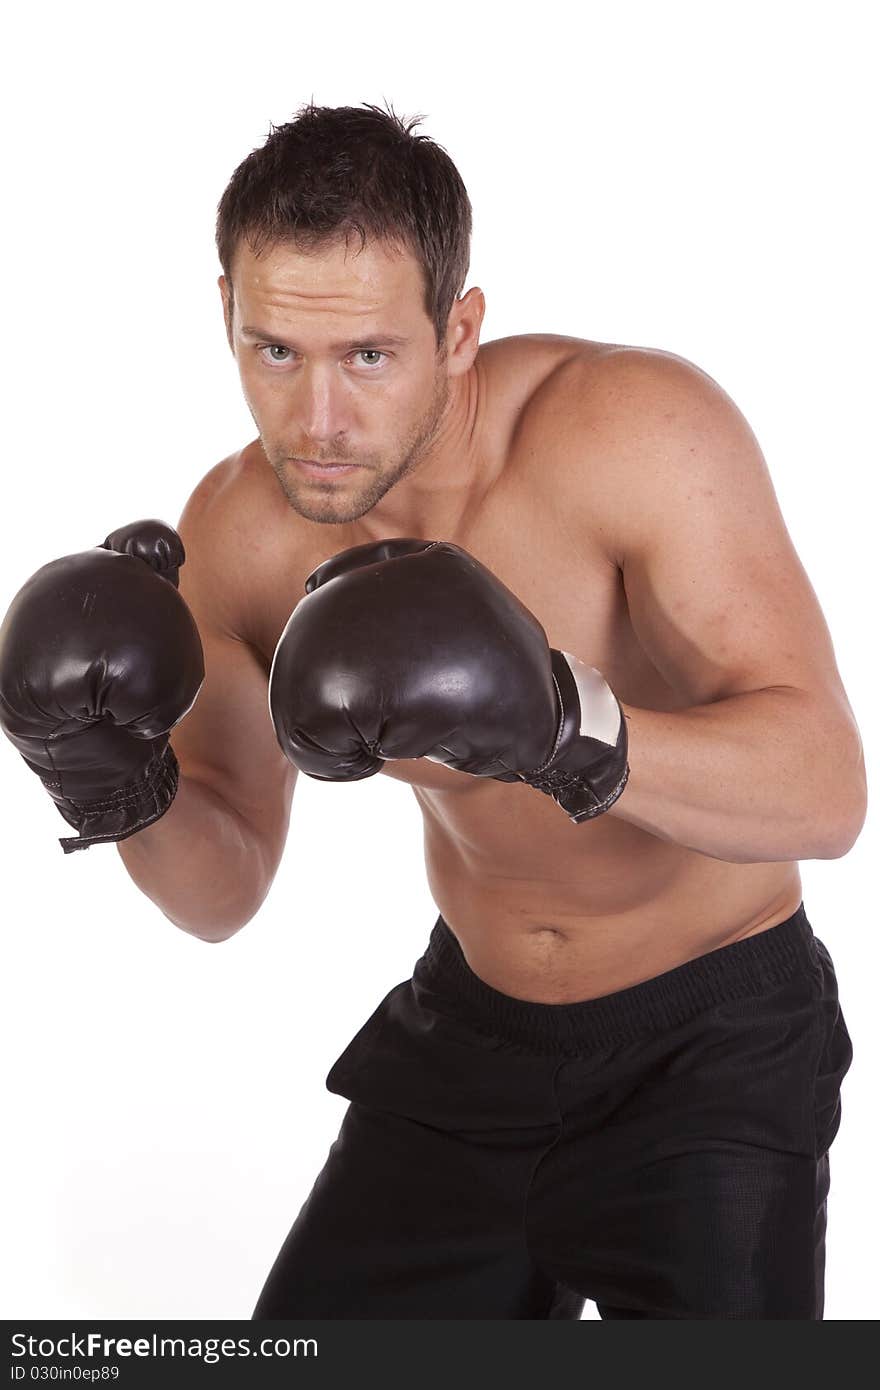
(549, 586)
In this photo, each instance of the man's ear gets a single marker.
(463, 330)
(226, 296)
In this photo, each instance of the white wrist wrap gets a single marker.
(600, 712)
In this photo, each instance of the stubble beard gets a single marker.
(325, 503)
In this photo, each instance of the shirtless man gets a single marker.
(615, 1073)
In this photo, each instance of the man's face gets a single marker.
(338, 364)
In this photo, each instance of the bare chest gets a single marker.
(562, 574)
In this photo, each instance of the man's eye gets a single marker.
(371, 357)
(274, 347)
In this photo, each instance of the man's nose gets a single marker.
(321, 404)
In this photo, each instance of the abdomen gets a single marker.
(555, 912)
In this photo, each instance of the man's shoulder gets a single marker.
(237, 482)
(237, 508)
(588, 431)
(578, 374)
(228, 527)
(607, 401)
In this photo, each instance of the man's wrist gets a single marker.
(122, 812)
(586, 770)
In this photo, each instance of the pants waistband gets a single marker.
(742, 968)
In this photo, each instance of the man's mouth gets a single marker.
(318, 470)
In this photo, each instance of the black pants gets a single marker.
(662, 1150)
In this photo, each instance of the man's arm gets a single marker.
(209, 862)
(766, 763)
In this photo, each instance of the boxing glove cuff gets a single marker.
(120, 813)
(587, 768)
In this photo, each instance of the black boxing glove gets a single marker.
(99, 658)
(409, 649)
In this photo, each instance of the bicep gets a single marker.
(716, 592)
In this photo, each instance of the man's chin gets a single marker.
(329, 516)
(330, 509)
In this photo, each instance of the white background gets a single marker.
(693, 177)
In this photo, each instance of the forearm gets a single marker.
(200, 863)
(758, 777)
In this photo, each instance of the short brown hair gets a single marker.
(337, 170)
